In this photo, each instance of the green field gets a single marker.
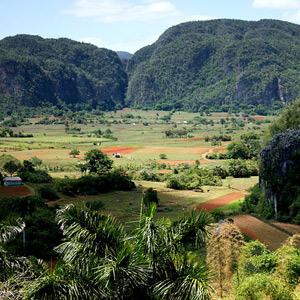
(140, 138)
(145, 132)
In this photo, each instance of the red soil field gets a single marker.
(121, 128)
(219, 150)
(167, 150)
(15, 191)
(175, 162)
(122, 150)
(193, 139)
(293, 229)
(258, 230)
(220, 201)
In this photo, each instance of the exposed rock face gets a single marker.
(215, 63)
(280, 169)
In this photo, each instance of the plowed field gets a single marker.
(258, 230)
(220, 201)
(15, 191)
(122, 150)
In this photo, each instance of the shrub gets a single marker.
(238, 168)
(47, 193)
(95, 184)
(37, 176)
(163, 156)
(96, 205)
(150, 196)
(220, 171)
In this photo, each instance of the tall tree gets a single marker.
(98, 161)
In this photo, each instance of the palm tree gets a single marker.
(193, 227)
(101, 262)
(88, 233)
(173, 275)
(123, 273)
(190, 281)
(9, 263)
(9, 229)
(155, 241)
(65, 282)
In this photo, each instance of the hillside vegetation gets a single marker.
(36, 71)
(219, 63)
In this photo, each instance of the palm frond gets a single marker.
(9, 229)
(190, 281)
(193, 226)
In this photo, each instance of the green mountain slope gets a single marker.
(35, 71)
(219, 63)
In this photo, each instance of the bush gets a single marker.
(263, 286)
(220, 171)
(148, 174)
(47, 193)
(36, 176)
(163, 156)
(150, 196)
(96, 205)
(238, 168)
(193, 179)
(93, 185)
(212, 156)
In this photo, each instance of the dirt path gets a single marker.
(210, 151)
(220, 201)
(258, 230)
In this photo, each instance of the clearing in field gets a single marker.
(258, 230)
(220, 201)
(14, 191)
(122, 150)
(291, 228)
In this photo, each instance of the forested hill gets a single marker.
(35, 71)
(216, 63)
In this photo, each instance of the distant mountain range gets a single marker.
(124, 55)
(192, 66)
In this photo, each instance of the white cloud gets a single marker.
(292, 16)
(92, 40)
(277, 4)
(110, 11)
(129, 46)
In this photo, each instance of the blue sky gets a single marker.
(128, 25)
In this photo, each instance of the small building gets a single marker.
(12, 181)
(116, 155)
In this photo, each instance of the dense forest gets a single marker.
(219, 63)
(222, 65)
(36, 71)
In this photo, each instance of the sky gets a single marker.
(128, 25)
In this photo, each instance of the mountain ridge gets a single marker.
(230, 62)
(194, 66)
(36, 70)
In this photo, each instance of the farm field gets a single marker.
(140, 137)
(256, 229)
